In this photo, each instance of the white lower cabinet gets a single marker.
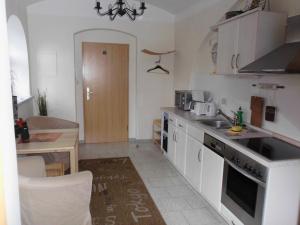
(212, 174)
(193, 162)
(171, 154)
(180, 158)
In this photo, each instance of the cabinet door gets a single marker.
(227, 44)
(193, 162)
(212, 175)
(180, 138)
(247, 33)
(171, 144)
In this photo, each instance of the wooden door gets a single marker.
(105, 83)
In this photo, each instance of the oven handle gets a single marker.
(259, 182)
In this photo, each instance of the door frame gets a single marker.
(109, 36)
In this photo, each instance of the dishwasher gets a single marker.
(212, 170)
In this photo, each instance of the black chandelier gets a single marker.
(121, 7)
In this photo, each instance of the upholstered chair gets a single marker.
(62, 200)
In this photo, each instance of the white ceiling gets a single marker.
(172, 6)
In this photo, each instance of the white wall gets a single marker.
(8, 162)
(52, 25)
(193, 68)
(106, 36)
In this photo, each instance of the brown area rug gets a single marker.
(119, 196)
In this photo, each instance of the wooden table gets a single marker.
(67, 142)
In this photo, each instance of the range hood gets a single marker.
(283, 60)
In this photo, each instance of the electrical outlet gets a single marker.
(223, 101)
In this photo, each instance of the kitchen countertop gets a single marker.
(191, 119)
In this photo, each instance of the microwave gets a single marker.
(183, 99)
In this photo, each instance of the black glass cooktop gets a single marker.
(271, 148)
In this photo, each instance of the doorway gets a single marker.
(105, 92)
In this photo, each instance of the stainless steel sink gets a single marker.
(218, 124)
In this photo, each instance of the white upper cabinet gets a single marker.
(245, 38)
(227, 44)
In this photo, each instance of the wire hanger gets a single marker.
(158, 67)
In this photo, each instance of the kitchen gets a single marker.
(220, 77)
(248, 174)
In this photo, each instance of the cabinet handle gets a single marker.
(199, 155)
(237, 61)
(232, 59)
(180, 125)
(173, 135)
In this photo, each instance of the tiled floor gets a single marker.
(177, 201)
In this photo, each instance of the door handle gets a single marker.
(88, 93)
(237, 61)
(199, 155)
(232, 59)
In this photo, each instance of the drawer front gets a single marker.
(196, 133)
(181, 125)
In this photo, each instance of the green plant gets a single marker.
(42, 104)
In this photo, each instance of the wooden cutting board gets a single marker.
(257, 108)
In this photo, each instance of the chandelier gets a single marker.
(121, 8)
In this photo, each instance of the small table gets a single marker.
(66, 142)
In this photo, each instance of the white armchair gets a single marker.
(63, 200)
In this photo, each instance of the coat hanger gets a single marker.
(159, 67)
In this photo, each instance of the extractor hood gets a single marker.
(283, 60)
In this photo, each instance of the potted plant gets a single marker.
(42, 104)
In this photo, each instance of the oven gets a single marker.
(244, 187)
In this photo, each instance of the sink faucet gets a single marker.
(230, 120)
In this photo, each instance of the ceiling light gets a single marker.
(121, 8)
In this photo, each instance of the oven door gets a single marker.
(243, 194)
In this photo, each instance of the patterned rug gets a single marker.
(119, 196)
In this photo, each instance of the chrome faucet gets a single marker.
(230, 120)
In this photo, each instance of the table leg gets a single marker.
(76, 155)
(74, 159)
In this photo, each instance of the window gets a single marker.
(18, 55)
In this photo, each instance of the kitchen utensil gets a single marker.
(257, 106)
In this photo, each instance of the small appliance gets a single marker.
(183, 99)
(205, 109)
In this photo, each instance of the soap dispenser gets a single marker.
(240, 120)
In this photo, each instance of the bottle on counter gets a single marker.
(240, 119)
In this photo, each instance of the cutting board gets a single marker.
(257, 108)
